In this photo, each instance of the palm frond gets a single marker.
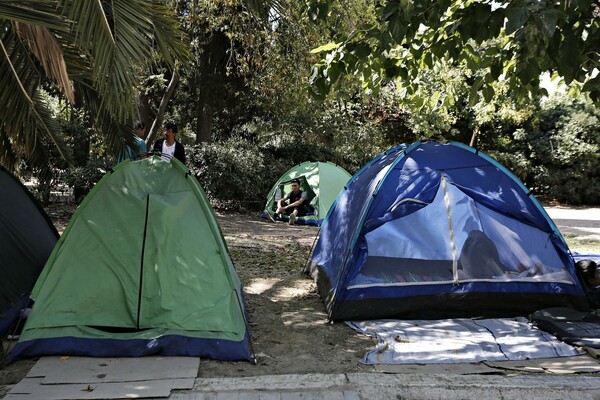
(40, 134)
(8, 153)
(26, 119)
(167, 35)
(119, 36)
(114, 132)
(263, 8)
(95, 45)
(45, 47)
(37, 12)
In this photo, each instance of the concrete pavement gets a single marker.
(584, 223)
(375, 386)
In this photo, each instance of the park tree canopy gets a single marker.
(515, 41)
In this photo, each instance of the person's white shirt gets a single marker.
(167, 152)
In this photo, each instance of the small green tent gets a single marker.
(142, 269)
(322, 181)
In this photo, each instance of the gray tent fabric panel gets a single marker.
(459, 236)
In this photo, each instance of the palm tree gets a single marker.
(91, 50)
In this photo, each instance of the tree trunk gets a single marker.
(473, 139)
(204, 123)
(160, 113)
(146, 115)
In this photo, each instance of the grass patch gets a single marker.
(582, 245)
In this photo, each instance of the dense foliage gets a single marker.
(247, 111)
(562, 147)
(514, 41)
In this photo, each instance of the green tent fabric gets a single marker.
(141, 269)
(322, 181)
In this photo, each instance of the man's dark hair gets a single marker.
(295, 181)
(140, 125)
(171, 126)
(587, 268)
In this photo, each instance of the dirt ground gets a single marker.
(288, 323)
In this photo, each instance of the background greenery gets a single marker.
(257, 87)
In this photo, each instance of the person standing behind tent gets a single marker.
(590, 276)
(297, 199)
(169, 147)
(140, 145)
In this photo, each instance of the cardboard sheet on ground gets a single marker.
(560, 365)
(459, 341)
(108, 378)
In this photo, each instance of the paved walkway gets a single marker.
(581, 222)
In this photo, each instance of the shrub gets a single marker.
(234, 174)
(82, 179)
(563, 146)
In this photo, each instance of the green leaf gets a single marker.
(326, 47)
(361, 50)
(433, 101)
(488, 93)
(496, 68)
(473, 97)
(517, 17)
(527, 71)
(549, 20)
(428, 59)
(389, 10)
(592, 85)
(333, 72)
(397, 30)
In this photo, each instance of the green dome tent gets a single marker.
(142, 269)
(322, 181)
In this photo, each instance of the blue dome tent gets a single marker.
(436, 230)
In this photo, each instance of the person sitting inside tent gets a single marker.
(590, 276)
(479, 258)
(298, 201)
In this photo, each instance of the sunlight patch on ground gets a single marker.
(289, 292)
(297, 288)
(304, 319)
(261, 285)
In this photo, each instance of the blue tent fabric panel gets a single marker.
(11, 314)
(525, 245)
(171, 345)
(349, 206)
